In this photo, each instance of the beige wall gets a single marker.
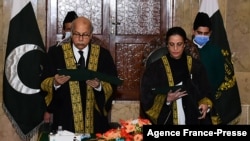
(7, 133)
(236, 19)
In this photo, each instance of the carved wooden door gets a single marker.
(128, 28)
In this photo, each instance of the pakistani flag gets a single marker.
(22, 100)
(227, 103)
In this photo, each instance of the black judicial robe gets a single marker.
(198, 89)
(61, 104)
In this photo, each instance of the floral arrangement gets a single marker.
(130, 130)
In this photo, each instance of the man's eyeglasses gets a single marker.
(178, 45)
(84, 35)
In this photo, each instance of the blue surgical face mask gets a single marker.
(201, 40)
(67, 34)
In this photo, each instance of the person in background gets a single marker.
(67, 22)
(79, 106)
(210, 55)
(66, 32)
(175, 89)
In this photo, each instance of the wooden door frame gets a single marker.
(51, 23)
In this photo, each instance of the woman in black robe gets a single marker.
(175, 89)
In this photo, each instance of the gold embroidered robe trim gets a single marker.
(93, 63)
(171, 82)
(206, 101)
(216, 119)
(88, 125)
(155, 110)
(160, 99)
(47, 85)
(108, 92)
(189, 63)
(90, 98)
(74, 90)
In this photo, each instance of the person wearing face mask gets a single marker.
(66, 30)
(210, 55)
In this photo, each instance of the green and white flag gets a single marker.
(227, 102)
(25, 52)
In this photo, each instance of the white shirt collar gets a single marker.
(85, 52)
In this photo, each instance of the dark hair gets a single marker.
(71, 15)
(202, 19)
(176, 31)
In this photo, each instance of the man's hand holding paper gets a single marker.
(85, 74)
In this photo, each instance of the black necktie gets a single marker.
(81, 60)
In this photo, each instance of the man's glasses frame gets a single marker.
(84, 35)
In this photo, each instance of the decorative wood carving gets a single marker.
(129, 29)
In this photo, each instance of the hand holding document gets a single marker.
(165, 90)
(85, 74)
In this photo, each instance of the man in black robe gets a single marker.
(78, 105)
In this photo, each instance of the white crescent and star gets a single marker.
(11, 65)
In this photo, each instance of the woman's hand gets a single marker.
(204, 109)
(172, 96)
